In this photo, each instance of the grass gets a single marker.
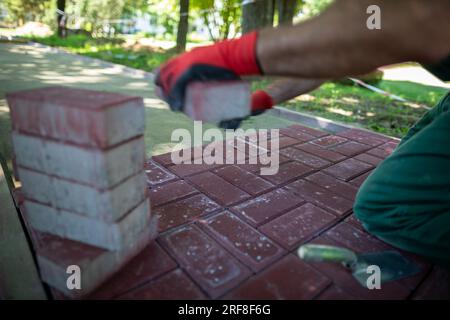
(112, 50)
(355, 105)
(335, 101)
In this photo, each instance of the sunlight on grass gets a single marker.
(340, 111)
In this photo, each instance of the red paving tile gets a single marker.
(290, 278)
(247, 244)
(169, 192)
(156, 174)
(152, 262)
(243, 179)
(218, 189)
(182, 211)
(320, 152)
(348, 169)
(172, 286)
(321, 197)
(267, 206)
(230, 232)
(289, 171)
(305, 158)
(209, 264)
(350, 148)
(334, 185)
(298, 225)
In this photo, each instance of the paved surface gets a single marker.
(227, 232)
(27, 66)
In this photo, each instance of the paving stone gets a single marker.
(182, 211)
(107, 205)
(350, 148)
(172, 286)
(184, 170)
(298, 225)
(55, 254)
(351, 219)
(169, 192)
(283, 142)
(288, 279)
(111, 236)
(384, 150)
(289, 171)
(321, 197)
(301, 136)
(247, 244)
(79, 116)
(363, 136)
(296, 130)
(267, 206)
(348, 169)
(210, 266)
(243, 179)
(305, 158)
(365, 157)
(334, 185)
(321, 152)
(156, 174)
(329, 141)
(358, 181)
(218, 189)
(435, 287)
(164, 159)
(101, 169)
(335, 293)
(150, 263)
(255, 164)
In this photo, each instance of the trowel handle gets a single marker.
(324, 253)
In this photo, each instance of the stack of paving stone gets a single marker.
(80, 155)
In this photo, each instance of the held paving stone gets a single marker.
(320, 152)
(171, 191)
(243, 179)
(298, 225)
(334, 185)
(358, 181)
(290, 278)
(174, 285)
(267, 206)
(209, 264)
(218, 189)
(348, 169)
(305, 158)
(182, 211)
(247, 244)
(152, 262)
(321, 197)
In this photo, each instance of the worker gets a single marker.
(406, 199)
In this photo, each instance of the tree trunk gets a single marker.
(183, 25)
(256, 15)
(61, 19)
(286, 11)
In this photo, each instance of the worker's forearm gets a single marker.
(285, 89)
(338, 42)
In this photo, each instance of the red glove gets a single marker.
(261, 101)
(225, 60)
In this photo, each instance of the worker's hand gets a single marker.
(261, 101)
(225, 60)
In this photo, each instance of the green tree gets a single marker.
(183, 25)
(21, 11)
(257, 14)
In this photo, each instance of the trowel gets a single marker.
(393, 266)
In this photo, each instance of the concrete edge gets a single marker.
(317, 122)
